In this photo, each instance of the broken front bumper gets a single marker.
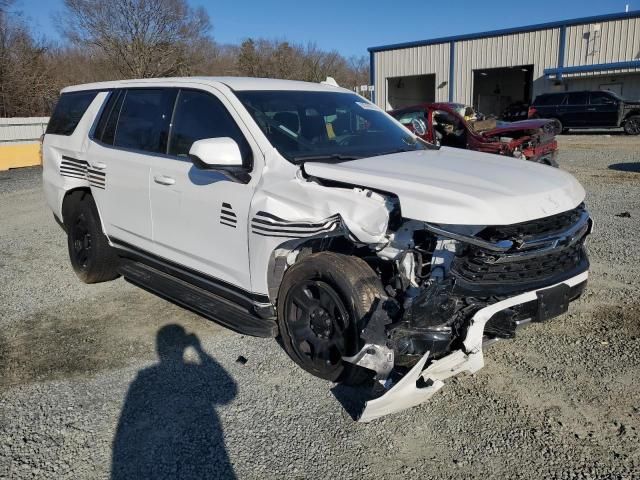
(420, 383)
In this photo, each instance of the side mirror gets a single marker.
(419, 126)
(212, 153)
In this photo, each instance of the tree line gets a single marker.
(119, 39)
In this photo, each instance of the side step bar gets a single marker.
(202, 302)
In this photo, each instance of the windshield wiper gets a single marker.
(330, 157)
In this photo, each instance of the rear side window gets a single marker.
(108, 134)
(601, 98)
(68, 112)
(200, 115)
(104, 116)
(578, 98)
(144, 120)
(553, 99)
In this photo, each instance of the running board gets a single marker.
(202, 302)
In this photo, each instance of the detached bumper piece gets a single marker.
(423, 380)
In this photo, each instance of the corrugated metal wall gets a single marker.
(627, 85)
(605, 42)
(20, 129)
(586, 44)
(412, 61)
(539, 49)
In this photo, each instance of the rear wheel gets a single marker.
(321, 304)
(632, 125)
(92, 258)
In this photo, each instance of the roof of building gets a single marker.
(507, 31)
(235, 83)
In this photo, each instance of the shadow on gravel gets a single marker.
(352, 398)
(633, 167)
(169, 427)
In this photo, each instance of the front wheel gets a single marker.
(558, 127)
(632, 125)
(321, 304)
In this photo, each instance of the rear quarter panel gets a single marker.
(75, 145)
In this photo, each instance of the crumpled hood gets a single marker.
(462, 187)
(519, 126)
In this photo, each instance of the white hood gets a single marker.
(461, 187)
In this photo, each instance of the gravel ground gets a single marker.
(83, 393)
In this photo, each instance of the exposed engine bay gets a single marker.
(438, 277)
(458, 265)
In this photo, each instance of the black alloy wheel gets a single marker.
(317, 324)
(632, 125)
(81, 241)
(91, 256)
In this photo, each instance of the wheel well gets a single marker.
(71, 198)
(278, 263)
(632, 113)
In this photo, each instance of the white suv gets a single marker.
(303, 210)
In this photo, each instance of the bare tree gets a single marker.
(140, 38)
(282, 59)
(113, 39)
(25, 79)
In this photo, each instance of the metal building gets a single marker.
(492, 70)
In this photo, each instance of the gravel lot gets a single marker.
(83, 394)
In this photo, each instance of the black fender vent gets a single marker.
(80, 169)
(73, 168)
(97, 178)
(228, 216)
(268, 225)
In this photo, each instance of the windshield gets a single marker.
(326, 126)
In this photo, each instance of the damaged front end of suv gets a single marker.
(384, 255)
(452, 289)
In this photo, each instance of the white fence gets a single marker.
(22, 129)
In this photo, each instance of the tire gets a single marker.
(91, 257)
(559, 127)
(549, 162)
(632, 125)
(321, 304)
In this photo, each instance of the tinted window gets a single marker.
(200, 115)
(554, 99)
(601, 98)
(104, 116)
(109, 131)
(144, 120)
(68, 112)
(578, 98)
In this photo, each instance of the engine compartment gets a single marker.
(437, 276)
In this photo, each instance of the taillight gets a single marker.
(532, 113)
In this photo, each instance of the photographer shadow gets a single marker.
(168, 427)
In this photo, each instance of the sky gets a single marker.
(351, 27)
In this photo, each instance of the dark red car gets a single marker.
(458, 125)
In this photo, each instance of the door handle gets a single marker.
(99, 166)
(164, 180)
(591, 109)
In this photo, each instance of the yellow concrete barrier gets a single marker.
(13, 155)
